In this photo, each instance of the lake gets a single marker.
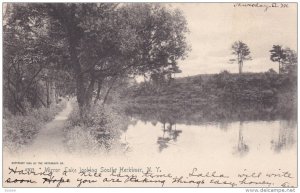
(250, 138)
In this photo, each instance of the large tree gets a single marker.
(27, 59)
(278, 54)
(95, 42)
(241, 52)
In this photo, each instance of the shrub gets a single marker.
(74, 118)
(21, 130)
(47, 114)
(100, 129)
(80, 141)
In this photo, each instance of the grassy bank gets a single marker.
(261, 88)
(19, 130)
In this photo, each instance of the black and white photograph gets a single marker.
(149, 94)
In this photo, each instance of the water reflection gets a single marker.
(222, 113)
(242, 147)
(170, 134)
(285, 138)
(220, 116)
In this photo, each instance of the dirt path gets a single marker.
(49, 141)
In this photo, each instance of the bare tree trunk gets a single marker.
(240, 63)
(98, 91)
(108, 91)
(279, 68)
(240, 67)
(39, 98)
(47, 94)
(89, 92)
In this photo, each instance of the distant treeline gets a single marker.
(263, 88)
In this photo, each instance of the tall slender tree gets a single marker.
(242, 53)
(278, 54)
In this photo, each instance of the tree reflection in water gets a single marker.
(222, 114)
(285, 137)
(242, 148)
(169, 135)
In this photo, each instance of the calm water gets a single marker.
(239, 130)
(266, 140)
(240, 138)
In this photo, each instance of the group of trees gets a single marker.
(83, 46)
(286, 58)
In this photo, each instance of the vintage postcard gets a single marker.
(149, 95)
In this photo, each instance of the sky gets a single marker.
(214, 27)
